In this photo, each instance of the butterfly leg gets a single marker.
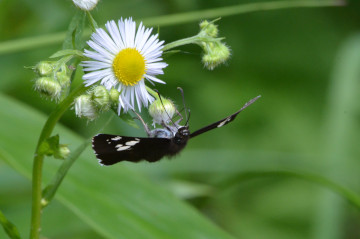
(143, 123)
(180, 115)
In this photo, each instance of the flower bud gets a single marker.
(162, 112)
(85, 108)
(62, 152)
(48, 87)
(114, 96)
(63, 76)
(215, 55)
(209, 28)
(86, 5)
(100, 97)
(44, 68)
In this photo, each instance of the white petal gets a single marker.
(152, 78)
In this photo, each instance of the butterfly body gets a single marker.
(111, 149)
(167, 141)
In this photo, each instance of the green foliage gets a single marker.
(74, 34)
(9, 228)
(67, 52)
(111, 202)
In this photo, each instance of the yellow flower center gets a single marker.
(129, 66)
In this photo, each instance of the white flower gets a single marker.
(122, 59)
(85, 5)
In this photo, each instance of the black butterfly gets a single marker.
(166, 141)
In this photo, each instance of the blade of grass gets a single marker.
(171, 20)
(339, 122)
(9, 227)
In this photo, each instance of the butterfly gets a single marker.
(167, 141)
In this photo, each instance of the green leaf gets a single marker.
(74, 33)
(169, 53)
(127, 118)
(116, 201)
(67, 52)
(50, 145)
(9, 228)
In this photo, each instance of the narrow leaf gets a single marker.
(67, 52)
(74, 32)
(9, 228)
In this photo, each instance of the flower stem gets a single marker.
(50, 190)
(152, 92)
(38, 160)
(181, 42)
(92, 21)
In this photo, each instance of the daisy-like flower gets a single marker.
(122, 59)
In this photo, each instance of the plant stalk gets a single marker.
(39, 159)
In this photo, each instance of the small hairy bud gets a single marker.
(48, 87)
(209, 28)
(114, 96)
(215, 54)
(44, 68)
(84, 107)
(62, 152)
(63, 76)
(101, 97)
(162, 112)
(86, 5)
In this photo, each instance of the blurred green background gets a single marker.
(305, 62)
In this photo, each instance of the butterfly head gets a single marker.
(182, 135)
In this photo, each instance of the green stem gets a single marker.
(171, 20)
(181, 42)
(181, 18)
(152, 92)
(352, 197)
(51, 189)
(92, 21)
(38, 160)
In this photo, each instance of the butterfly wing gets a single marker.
(111, 149)
(224, 121)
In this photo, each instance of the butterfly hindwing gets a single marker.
(110, 149)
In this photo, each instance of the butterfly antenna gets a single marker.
(188, 118)
(183, 99)
(164, 107)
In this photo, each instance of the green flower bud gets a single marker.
(162, 112)
(48, 87)
(209, 28)
(44, 68)
(84, 107)
(86, 5)
(114, 96)
(215, 55)
(101, 97)
(63, 76)
(62, 152)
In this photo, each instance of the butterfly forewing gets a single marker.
(222, 122)
(217, 124)
(111, 149)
